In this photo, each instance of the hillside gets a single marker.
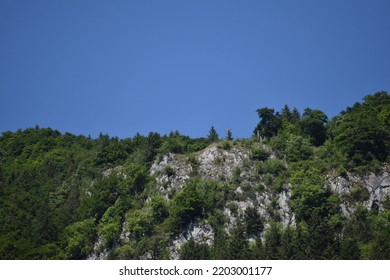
(303, 187)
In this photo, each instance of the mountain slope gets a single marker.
(302, 187)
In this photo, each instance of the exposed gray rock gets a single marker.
(109, 171)
(216, 163)
(287, 217)
(376, 185)
(171, 173)
(201, 233)
(99, 253)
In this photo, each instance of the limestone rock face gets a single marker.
(369, 190)
(217, 164)
(234, 166)
(99, 253)
(213, 163)
(171, 173)
(201, 233)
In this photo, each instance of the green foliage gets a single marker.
(313, 126)
(359, 193)
(179, 144)
(135, 178)
(192, 160)
(196, 200)
(290, 116)
(173, 144)
(39, 196)
(169, 171)
(213, 135)
(260, 154)
(110, 225)
(194, 251)
(103, 194)
(253, 222)
(272, 166)
(362, 132)
(79, 238)
(160, 209)
(270, 123)
(273, 242)
(112, 151)
(233, 208)
(307, 198)
(218, 160)
(226, 145)
(238, 246)
(139, 223)
(298, 148)
(236, 176)
(229, 135)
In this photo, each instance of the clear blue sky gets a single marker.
(121, 67)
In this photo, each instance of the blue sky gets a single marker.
(121, 67)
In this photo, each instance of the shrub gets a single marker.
(298, 148)
(274, 166)
(227, 145)
(169, 171)
(232, 206)
(80, 238)
(236, 177)
(218, 161)
(260, 154)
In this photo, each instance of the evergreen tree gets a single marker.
(362, 132)
(258, 252)
(238, 247)
(253, 222)
(194, 251)
(313, 125)
(290, 116)
(273, 242)
(229, 135)
(213, 135)
(270, 123)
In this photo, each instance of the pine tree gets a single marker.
(238, 247)
(213, 135)
(229, 135)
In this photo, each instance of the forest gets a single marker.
(65, 196)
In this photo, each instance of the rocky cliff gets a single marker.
(235, 165)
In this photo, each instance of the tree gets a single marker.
(159, 209)
(253, 222)
(273, 241)
(289, 244)
(298, 148)
(313, 125)
(229, 135)
(363, 132)
(290, 116)
(238, 247)
(194, 251)
(79, 238)
(380, 245)
(139, 223)
(213, 135)
(270, 123)
(134, 180)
